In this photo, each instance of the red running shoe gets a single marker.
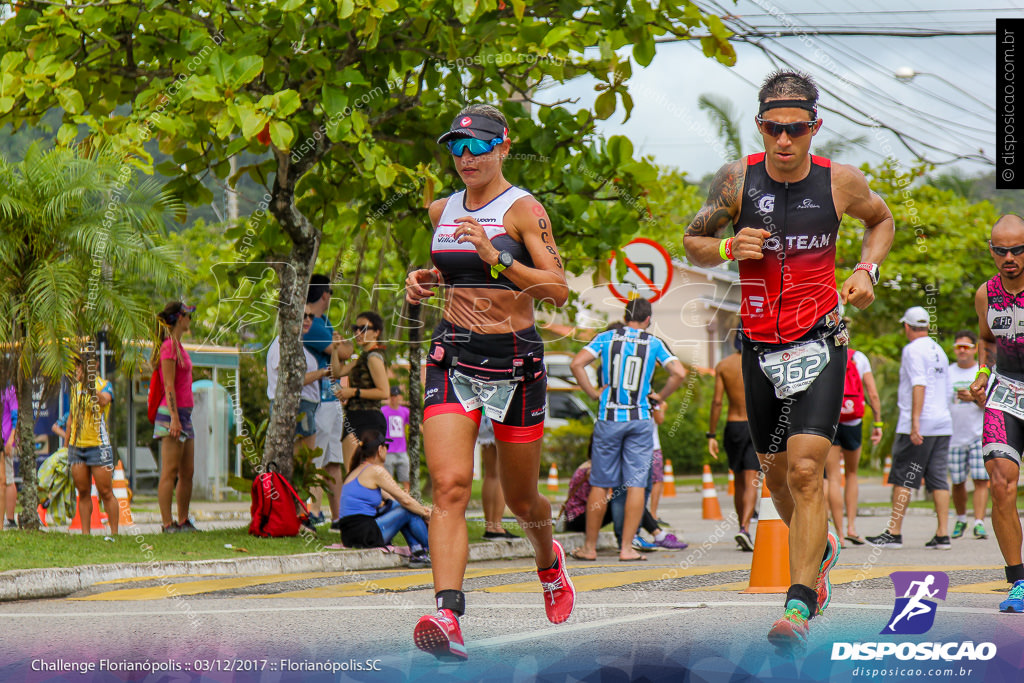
(440, 635)
(789, 634)
(823, 586)
(559, 594)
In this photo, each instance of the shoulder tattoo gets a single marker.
(722, 196)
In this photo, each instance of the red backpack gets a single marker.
(156, 394)
(276, 508)
(853, 391)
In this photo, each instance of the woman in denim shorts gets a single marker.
(173, 424)
(85, 431)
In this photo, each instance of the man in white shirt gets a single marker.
(965, 449)
(309, 399)
(922, 433)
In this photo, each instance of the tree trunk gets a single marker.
(375, 297)
(415, 398)
(294, 275)
(29, 496)
(356, 286)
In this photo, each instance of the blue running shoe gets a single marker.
(823, 586)
(642, 545)
(1014, 602)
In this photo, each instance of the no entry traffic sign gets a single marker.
(648, 271)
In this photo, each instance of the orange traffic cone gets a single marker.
(553, 478)
(711, 508)
(123, 495)
(886, 469)
(76, 523)
(97, 519)
(732, 483)
(842, 472)
(769, 568)
(669, 479)
(41, 511)
(99, 516)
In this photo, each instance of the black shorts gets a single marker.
(521, 353)
(849, 437)
(357, 421)
(812, 411)
(739, 448)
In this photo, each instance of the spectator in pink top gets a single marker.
(9, 436)
(173, 424)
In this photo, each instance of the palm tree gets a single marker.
(722, 113)
(79, 244)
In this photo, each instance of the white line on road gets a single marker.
(660, 606)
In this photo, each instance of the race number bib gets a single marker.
(1007, 396)
(795, 368)
(493, 396)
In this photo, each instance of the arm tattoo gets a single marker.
(545, 238)
(722, 196)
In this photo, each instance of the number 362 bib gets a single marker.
(794, 369)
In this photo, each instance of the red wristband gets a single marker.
(728, 249)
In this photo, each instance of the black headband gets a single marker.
(784, 104)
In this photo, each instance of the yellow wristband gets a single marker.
(725, 249)
(879, 424)
(986, 370)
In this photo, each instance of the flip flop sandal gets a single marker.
(639, 558)
(574, 553)
(856, 540)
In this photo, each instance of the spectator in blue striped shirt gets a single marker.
(624, 432)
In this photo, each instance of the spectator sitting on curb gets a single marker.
(367, 521)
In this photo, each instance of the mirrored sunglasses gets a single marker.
(476, 147)
(793, 130)
(1003, 251)
(963, 347)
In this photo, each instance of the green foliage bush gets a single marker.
(686, 421)
(566, 447)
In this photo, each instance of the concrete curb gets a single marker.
(59, 582)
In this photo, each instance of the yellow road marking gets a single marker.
(137, 579)
(985, 587)
(201, 586)
(398, 583)
(844, 576)
(594, 582)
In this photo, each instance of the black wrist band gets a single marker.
(711, 435)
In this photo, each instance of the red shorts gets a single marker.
(524, 421)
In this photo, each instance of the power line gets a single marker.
(909, 141)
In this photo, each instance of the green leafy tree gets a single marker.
(79, 237)
(343, 101)
(938, 259)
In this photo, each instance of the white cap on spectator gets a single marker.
(916, 317)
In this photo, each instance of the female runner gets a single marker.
(494, 252)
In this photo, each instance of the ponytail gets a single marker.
(369, 441)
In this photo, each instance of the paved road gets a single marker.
(678, 611)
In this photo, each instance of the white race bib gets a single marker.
(794, 369)
(494, 396)
(1008, 396)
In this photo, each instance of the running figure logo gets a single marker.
(913, 612)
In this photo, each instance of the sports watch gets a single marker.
(504, 261)
(872, 271)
